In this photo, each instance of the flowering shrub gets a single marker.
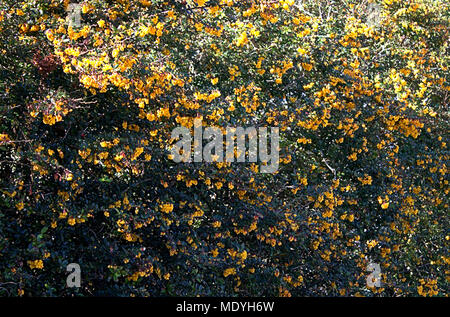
(358, 89)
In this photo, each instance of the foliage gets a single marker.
(86, 113)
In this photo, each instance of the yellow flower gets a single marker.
(385, 204)
(103, 155)
(307, 67)
(229, 271)
(85, 8)
(243, 255)
(171, 14)
(37, 264)
(353, 156)
(166, 208)
(4, 137)
(84, 153)
(301, 51)
(201, 3)
(242, 39)
(138, 152)
(49, 119)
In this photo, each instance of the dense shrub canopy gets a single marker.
(359, 90)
